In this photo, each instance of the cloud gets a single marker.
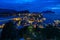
(24, 1)
(55, 8)
(29, 4)
(16, 1)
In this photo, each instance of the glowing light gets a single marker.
(44, 18)
(16, 19)
(1, 26)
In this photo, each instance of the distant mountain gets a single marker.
(7, 11)
(25, 11)
(47, 11)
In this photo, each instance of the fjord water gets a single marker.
(51, 17)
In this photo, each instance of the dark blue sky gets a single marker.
(32, 5)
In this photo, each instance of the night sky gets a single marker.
(31, 5)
